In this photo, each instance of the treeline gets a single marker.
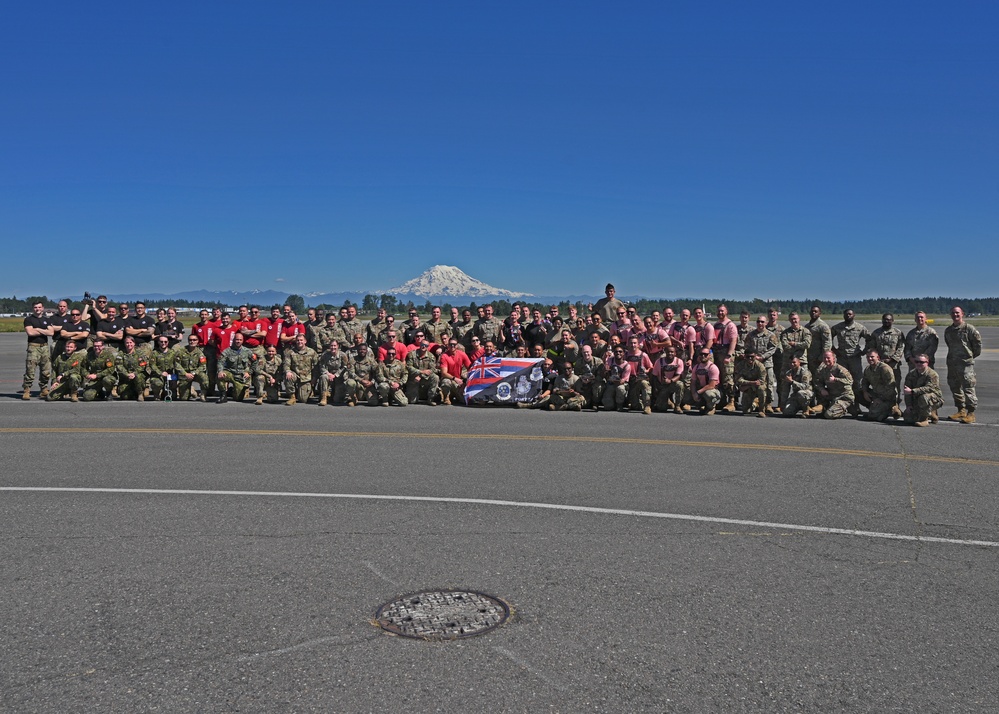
(370, 304)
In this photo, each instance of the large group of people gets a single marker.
(610, 358)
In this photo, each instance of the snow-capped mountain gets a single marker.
(449, 281)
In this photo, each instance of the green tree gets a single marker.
(297, 303)
(370, 305)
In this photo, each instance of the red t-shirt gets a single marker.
(273, 332)
(400, 351)
(257, 325)
(453, 364)
(205, 332)
(223, 338)
(297, 328)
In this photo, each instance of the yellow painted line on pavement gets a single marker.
(831, 451)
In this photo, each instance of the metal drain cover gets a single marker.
(442, 614)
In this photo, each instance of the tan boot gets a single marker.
(762, 414)
(291, 401)
(934, 419)
(44, 393)
(807, 413)
(74, 398)
(969, 418)
(921, 423)
(730, 406)
(322, 402)
(27, 394)
(260, 400)
(959, 415)
(896, 412)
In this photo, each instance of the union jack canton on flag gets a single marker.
(503, 380)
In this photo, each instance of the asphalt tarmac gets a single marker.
(201, 557)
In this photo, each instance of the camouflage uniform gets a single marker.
(235, 367)
(351, 328)
(840, 398)
(462, 331)
(921, 341)
(160, 362)
(926, 396)
(68, 372)
(489, 329)
(821, 342)
(301, 363)
(850, 354)
(359, 372)
(747, 372)
(331, 370)
(436, 332)
(386, 374)
(964, 344)
(794, 343)
(100, 364)
(764, 344)
(591, 382)
(890, 344)
(191, 361)
(331, 333)
(615, 392)
(134, 363)
(266, 370)
(670, 395)
(565, 395)
(879, 382)
(420, 385)
(374, 331)
(799, 394)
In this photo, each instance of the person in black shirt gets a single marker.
(38, 329)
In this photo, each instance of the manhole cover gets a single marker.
(442, 614)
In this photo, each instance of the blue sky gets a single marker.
(727, 149)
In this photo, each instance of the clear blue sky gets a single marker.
(723, 149)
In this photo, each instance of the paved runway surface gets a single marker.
(202, 557)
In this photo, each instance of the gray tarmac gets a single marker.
(260, 596)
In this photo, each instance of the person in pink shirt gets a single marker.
(667, 374)
(454, 366)
(639, 386)
(683, 336)
(476, 349)
(704, 330)
(654, 339)
(726, 339)
(617, 375)
(704, 394)
(621, 326)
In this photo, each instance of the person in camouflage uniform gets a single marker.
(922, 393)
(191, 366)
(300, 365)
(964, 344)
(331, 331)
(333, 364)
(489, 327)
(131, 366)
(794, 341)
(359, 381)
(833, 388)
(799, 392)
(267, 376)
(670, 387)
(68, 371)
(763, 342)
(374, 329)
(390, 382)
(99, 374)
(751, 381)
(236, 369)
(821, 338)
(589, 370)
(564, 396)
(161, 366)
(723, 352)
(847, 336)
(878, 389)
(921, 340)
(352, 326)
(889, 341)
(424, 380)
(38, 329)
(436, 330)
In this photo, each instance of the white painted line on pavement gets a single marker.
(516, 504)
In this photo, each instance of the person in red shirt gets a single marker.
(205, 331)
(274, 326)
(391, 342)
(454, 366)
(291, 329)
(223, 334)
(253, 328)
(475, 350)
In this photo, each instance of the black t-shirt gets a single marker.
(40, 323)
(111, 326)
(141, 323)
(81, 343)
(171, 328)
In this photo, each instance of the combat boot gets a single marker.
(291, 401)
(44, 393)
(921, 423)
(26, 395)
(260, 400)
(322, 402)
(959, 415)
(74, 398)
(896, 413)
(934, 419)
(729, 406)
(762, 414)
(969, 418)
(807, 413)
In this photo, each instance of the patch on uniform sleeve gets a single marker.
(109, 364)
(202, 360)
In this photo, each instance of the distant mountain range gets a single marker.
(441, 283)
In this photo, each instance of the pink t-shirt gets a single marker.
(666, 368)
(702, 373)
